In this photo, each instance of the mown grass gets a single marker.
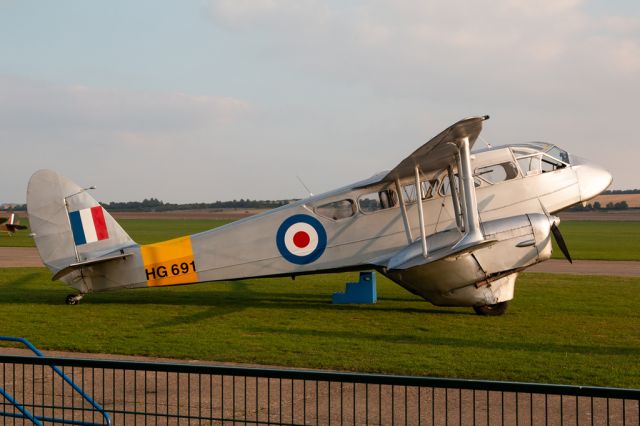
(609, 240)
(559, 329)
(19, 239)
(145, 231)
(587, 240)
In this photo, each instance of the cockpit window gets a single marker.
(337, 209)
(559, 154)
(497, 172)
(375, 201)
(535, 158)
(550, 164)
(530, 165)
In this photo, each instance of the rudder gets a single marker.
(69, 226)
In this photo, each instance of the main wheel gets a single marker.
(72, 299)
(492, 310)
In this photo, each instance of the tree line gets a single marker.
(621, 205)
(622, 191)
(153, 204)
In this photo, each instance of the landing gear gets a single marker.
(492, 310)
(73, 299)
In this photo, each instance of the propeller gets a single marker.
(557, 235)
(560, 241)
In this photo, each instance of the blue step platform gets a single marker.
(364, 291)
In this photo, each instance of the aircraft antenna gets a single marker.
(305, 186)
(485, 142)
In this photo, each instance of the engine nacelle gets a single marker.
(485, 275)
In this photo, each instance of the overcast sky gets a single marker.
(227, 99)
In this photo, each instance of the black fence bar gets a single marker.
(175, 394)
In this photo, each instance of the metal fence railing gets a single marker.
(143, 393)
(20, 411)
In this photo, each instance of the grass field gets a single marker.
(143, 231)
(603, 240)
(19, 239)
(559, 329)
(588, 240)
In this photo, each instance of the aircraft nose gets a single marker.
(593, 180)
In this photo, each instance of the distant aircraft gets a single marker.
(453, 227)
(12, 225)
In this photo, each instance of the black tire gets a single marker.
(492, 310)
(71, 300)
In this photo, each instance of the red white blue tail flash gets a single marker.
(88, 225)
(301, 239)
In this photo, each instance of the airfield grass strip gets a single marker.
(559, 328)
(587, 240)
(600, 240)
(143, 231)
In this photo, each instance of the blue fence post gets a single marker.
(362, 292)
(36, 419)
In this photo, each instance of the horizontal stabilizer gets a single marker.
(78, 265)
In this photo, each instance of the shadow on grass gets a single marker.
(223, 298)
(238, 290)
(241, 296)
(454, 342)
(23, 281)
(23, 290)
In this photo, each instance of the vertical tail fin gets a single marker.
(68, 224)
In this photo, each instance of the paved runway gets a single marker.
(16, 257)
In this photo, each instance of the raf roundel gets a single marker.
(301, 239)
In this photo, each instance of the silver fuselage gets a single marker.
(362, 226)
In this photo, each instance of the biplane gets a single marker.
(11, 225)
(451, 226)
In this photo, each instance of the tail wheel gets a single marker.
(492, 310)
(73, 299)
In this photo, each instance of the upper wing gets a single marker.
(439, 152)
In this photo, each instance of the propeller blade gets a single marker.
(560, 241)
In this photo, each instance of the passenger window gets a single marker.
(337, 209)
(409, 192)
(427, 188)
(375, 201)
(498, 172)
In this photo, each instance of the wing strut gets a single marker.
(423, 234)
(403, 209)
(454, 197)
(473, 233)
(463, 207)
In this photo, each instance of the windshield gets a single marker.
(559, 154)
(539, 157)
